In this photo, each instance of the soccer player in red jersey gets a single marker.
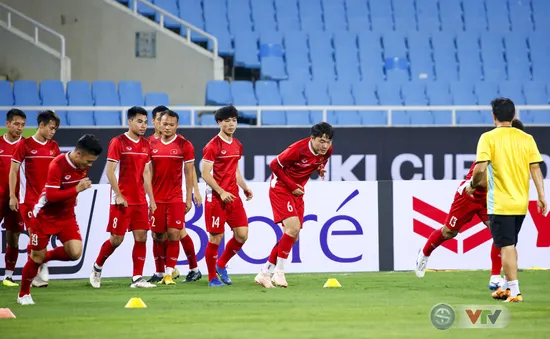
(291, 171)
(13, 223)
(157, 111)
(173, 155)
(130, 177)
(221, 173)
(464, 207)
(54, 212)
(28, 163)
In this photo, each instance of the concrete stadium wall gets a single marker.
(101, 44)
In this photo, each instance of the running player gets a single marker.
(32, 156)
(223, 204)
(130, 180)
(291, 171)
(463, 209)
(13, 223)
(54, 213)
(172, 155)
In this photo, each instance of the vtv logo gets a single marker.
(483, 316)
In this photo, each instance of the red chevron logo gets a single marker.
(440, 216)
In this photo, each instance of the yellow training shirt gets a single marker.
(509, 152)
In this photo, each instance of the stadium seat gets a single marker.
(130, 93)
(267, 93)
(370, 56)
(475, 16)
(438, 94)
(463, 95)
(404, 21)
(446, 67)
(271, 37)
(420, 56)
(517, 56)
(263, 15)
(25, 93)
(389, 95)
(79, 93)
(292, 94)
(364, 94)
(428, 15)
(467, 44)
(218, 93)
(288, 18)
(492, 54)
(246, 50)
(334, 15)
(381, 15)
(346, 56)
(512, 90)
(486, 92)
(535, 94)
(340, 95)
(207, 119)
(171, 7)
(273, 68)
(414, 94)
(497, 16)
(316, 94)
(311, 15)
(451, 16)
(242, 93)
(191, 11)
(6, 94)
(541, 8)
(52, 93)
(239, 16)
(521, 18)
(105, 94)
(356, 18)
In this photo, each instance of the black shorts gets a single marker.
(505, 229)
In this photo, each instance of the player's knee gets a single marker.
(215, 238)
(159, 236)
(116, 240)
(140, 236)
(38, 256)
(183, 233)
(173, 235)
(447, 233)
(74, 253)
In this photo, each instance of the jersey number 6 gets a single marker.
(289, 206)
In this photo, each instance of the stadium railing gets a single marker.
(198, 111)
(13, 23)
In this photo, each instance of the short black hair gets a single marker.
(170, 113)
(136, 110)
(503, 109)
(226, 113)
(45, 117)
(516, 123)
(321, 129)
(14, 112)
(89, 143)
(159, 109)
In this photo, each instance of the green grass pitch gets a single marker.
(376, 305)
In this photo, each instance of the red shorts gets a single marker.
(168, 215)
(217, 213)
(285, 205)
(125, 219)
(12, 220)
(463, 210)
(26, 211)
(42, 231)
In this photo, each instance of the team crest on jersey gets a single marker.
(129, 148)
(224, 151)
(173, 151)
(144, 149)
(67, 177)
(34, 151)
(304, 160)
(1, 151)
(178, 222)
(155, 150)
(52, 152)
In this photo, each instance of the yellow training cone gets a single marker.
(135, 303)
(332, 283)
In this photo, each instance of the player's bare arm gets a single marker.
(149, 187)
(478, 176)
(242, 184)
(322, 171)
(210, 181)
(83, 185)
(196, 191)
(277, 169)
(538, 180)
(14, 169)
(189, 172)
(111, 167)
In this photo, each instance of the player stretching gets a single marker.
(54, 212)
(291, 171)
(223, 203)
(463, 209)
(15, 122)
(29, 163)
(160, 245)
(169, 154)
(130, 152)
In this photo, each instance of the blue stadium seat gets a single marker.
(394, 45)
(403, 10)
(185, 117)
(218, 93)
(364, 94)
(389, 94)
(428, 15)
(370, 56)
(414, 94)
(273, 68)
(346, 56)
(467, 44)
(267, 93)
(497, 16)
(239, 15)
(540, 49)
(191, 11)
(263, 15)
(356, 18)
(451, 16)
(52, 93)
(292, 94)
(316, 94)
(144, 9)
(439, 95)
(242, 93)
(171, 7)
(512, 90)
(541, 8)
(340, 95)
(420, 56)
(320, 52)
(446, 67)
(334, 15)
(105, 94)
(288, 18)
(381, 15)
(207, 119)
(463, 95)
(517, 56)
(25, 93)
(130, 93)
(311, 15)
(6, 94)
(297, 56)
(246, 50)
(535, 94)
(492, 54)
(79, 93)
(486, 92)
(475, 16)
(271, 37)
(521, 17)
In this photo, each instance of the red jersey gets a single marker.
(299, 161)
(168, 159)
(152, 138)
(63, 175)
(34, 158)
(480, 193)
(7, 149)
(225, 157)
(131, 156)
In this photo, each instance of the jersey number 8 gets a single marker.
(115, 221)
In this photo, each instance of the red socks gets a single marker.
(435, 239)
(273, 255)
(106, 250)
(172, 253)
(496, 260)
(57, 253)
(211, 256)
(11, 257)
(30, 270)
(285, 245)
(232, 247)
(189, 249)
(138, 257)
(159, 253)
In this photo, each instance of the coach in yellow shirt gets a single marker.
(505, 158)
